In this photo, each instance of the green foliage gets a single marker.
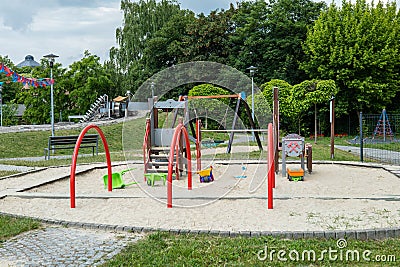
(269, 36)
(207, 37)
(37, 99)
(84, 82)
(357, 46)
(213, 109)
(262, 110)
(157, 35)
(9, 114)
(141, 21)
(295, 101)
(36, 141)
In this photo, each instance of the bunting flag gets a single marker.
(21, 79)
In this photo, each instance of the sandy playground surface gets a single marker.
(333, 197)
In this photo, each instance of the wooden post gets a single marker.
(276, 128)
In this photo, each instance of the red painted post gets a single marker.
(178, 131)
(75, 157)
(271, 172)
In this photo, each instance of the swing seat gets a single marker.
(209, 143)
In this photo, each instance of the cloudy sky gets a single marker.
(69, 27)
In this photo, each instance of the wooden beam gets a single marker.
(213, 96)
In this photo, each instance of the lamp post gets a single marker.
(51, 58)
(252, 70)
(152, 89)
(332, 120)
(129, 95)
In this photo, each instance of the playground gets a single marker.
(335, 197)
(202, 194)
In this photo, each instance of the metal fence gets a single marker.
(380, 138)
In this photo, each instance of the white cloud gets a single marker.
(66, 30)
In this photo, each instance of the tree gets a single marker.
(214, 109)
(296, 101)
(357, 46)
(207, 37)
(262, 110)
(9, 112)
(311, 93)
(141, 21)
(84, 82)
(286, 24)
(37, 99)
(269, 36)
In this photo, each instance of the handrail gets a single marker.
(75, 157)
(179, 130)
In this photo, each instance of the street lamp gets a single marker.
(129, 95)
(332, 121)
(51, 58)
(252, 70)
(152, 89)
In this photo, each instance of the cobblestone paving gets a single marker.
(61, 246)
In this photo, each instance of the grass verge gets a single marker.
(10, 226)
(165, 249)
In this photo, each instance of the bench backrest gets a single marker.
(71, 139)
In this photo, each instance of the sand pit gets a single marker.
(333, 197)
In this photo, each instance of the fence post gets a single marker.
(361, 139)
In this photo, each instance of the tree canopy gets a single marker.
(358, 47)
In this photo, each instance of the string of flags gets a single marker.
(21, 79)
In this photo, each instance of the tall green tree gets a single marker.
(357, 45)
(141, 21)
(214, 109)
(269, 36)
(84, 82)
(207, 37)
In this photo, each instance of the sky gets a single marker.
(69, 27)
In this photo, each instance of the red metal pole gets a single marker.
(75, 157)
(178, 131)
(271, 172)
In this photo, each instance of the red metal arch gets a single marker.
(75, 156)
(179, 130)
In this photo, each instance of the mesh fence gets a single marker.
(381, 138)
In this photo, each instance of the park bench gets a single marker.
(68, 142)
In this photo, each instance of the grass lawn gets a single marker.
(34, 142)
(165, 249)
(10, 226)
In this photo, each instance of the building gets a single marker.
(28, 62)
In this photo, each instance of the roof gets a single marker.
(28, 62)
(120, 98)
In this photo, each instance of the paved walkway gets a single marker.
(60, 246)
(380, 155)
